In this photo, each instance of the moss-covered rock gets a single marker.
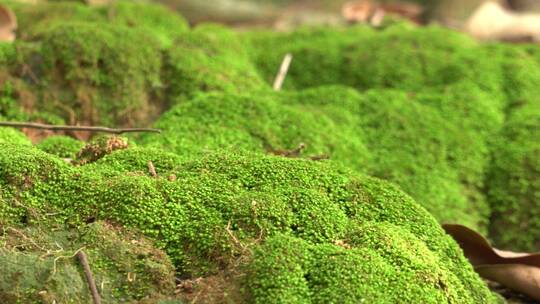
(40, 266)
(13, 136)
(514, 181)
(35, 19)
(209, 58)
(434, 158)
(221, 206)
(108, 72)
(165, 24)
(257, 122)
(61, 146)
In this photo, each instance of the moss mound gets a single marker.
(107, 71)
(61, 146)
(35, 19)
(257, 122)
(400, 56)
(209, 58)
(415, 58)
(433, 158)
(514, 181)
(165, 24)
(13, 136)
(317, 54)
(136, 160)
(221, 205)
(39, 265)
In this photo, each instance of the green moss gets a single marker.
(13, 136)
(9, 107)
(514, 181)
(39, 267)
(416, 147)
(289, 270)
(209, 58)
(414, 58)
(35, 19)
(164, 23)
(61, 146)
(7, 53)
(222, 205)
(136, 160)
(256, 122)
(109, 72)
(317, 54)
(521, 72)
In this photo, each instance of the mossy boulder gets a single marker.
(61, 146)
(514, 181)
(39, 266)
(222, 206)
(210, 58)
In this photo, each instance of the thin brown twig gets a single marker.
(35, 125)
(89, 278)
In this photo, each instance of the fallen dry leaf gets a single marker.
(8, 24)
(516, 270)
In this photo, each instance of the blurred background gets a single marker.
(284, 13)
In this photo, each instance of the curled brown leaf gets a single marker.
(515, 270)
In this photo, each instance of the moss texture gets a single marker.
(61, 146)
(433, 158)
(209, 58)
(514, 181)
(13, 136)
(39, 265)
(35, 19)
(411, 59)
(221, 205)
(317, 54)
(257, 122)
(77, 64)
(106, 71)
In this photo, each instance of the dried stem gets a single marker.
(34, 125)
(89, 278)
(283, 70)
(152, 169)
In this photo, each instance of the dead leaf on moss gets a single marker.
(516, 270)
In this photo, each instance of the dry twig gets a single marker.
(34, 125)
(152, 169)
(283, 70)
(89, 278)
